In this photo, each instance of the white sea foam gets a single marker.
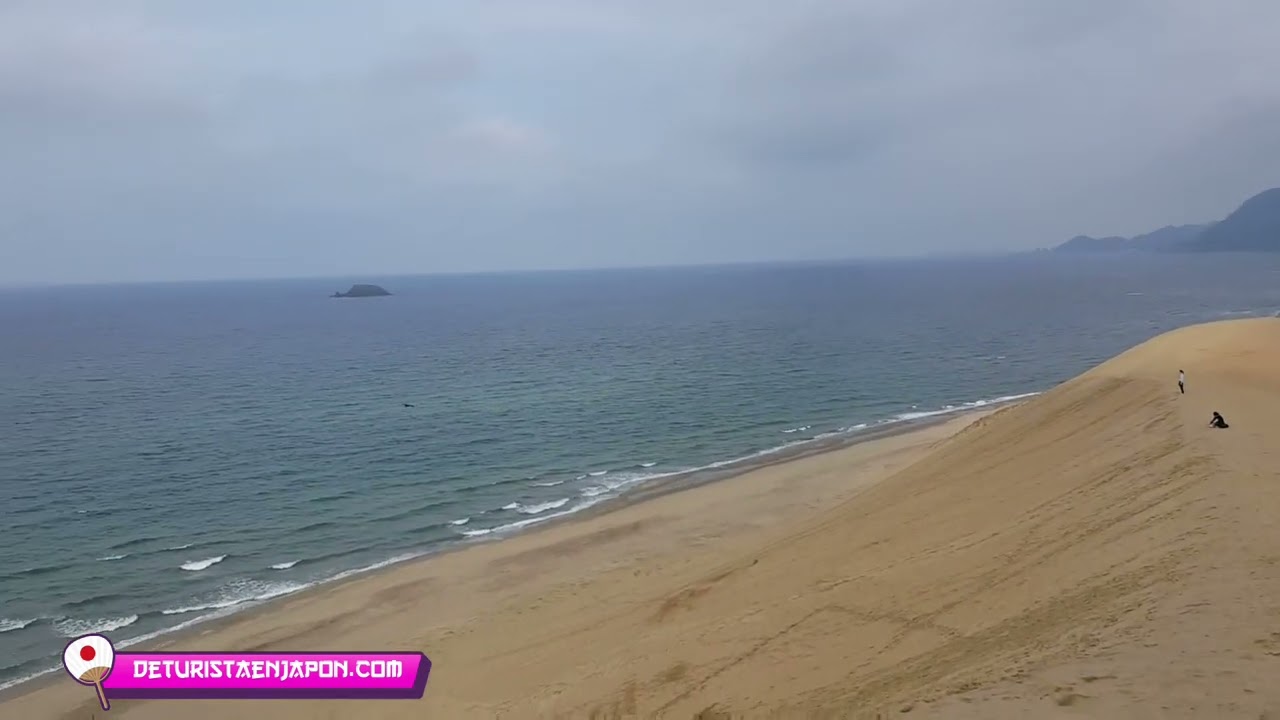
(539, 508)
(109, 558)
(73, 627)
(797, 429)
(648, 464)
(598, 473)
(238, 592)
(949, 409)
(128, 642)
(18, 681)
(511, 506)
(376, 566)
(179, 547)
(284, 565)
(171, 629)
(605, 489)
(551, 483)
(509, 527)
(7, 625)
(195, 565)
(460, 521)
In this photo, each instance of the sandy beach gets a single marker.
(1097, 551)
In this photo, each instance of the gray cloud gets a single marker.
(149, 140)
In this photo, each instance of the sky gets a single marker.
(153, 140)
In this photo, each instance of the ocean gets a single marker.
(176, 452)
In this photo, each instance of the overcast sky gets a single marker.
(240, 138)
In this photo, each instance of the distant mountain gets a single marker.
(1169, 237)
(1253, 227)
(1086, 244)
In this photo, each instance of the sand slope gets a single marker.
(1096, 552)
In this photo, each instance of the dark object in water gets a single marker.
(1218, 421)
(362, 291)
(407, 405)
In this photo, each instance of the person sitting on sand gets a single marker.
(1217, 421)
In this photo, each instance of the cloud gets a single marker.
(501, 135)
(155, 140)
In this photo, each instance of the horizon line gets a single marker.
(842, 260)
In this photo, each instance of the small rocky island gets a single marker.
(362, 291)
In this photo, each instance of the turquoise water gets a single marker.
(177, 452)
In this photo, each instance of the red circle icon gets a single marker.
(87, 653)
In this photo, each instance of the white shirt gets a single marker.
(1182, 377)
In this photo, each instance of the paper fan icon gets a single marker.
(89, 659)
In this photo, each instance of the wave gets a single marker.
(597, 473)
(320, 525)
(962, 407)
(7, 625)
(331, 498)
(133, 543)
(35, 571)
(603, 489)
(72, 627)
(179, 547)
(284, 565)
(109, 558)
(648, 464)
(539, 508)
(409, 513)
(622, 481)
(376, 566)
(797, 429)
(460, 521)
(18, 681)
(91, 600)
(551, 483)
(238, 592)
(195, 565)
(503, 529)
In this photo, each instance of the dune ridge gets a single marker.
(1097, 551)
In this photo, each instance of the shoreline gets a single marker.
(674, 483)
(1086, 554)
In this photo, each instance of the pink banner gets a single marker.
(268, 675)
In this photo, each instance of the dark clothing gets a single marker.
(1182, 389)
(1218, 422)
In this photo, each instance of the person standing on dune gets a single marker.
(1182, 382)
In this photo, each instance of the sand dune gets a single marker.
(1095, 552)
